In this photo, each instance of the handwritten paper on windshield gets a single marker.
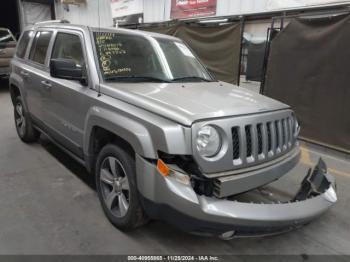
(109, 50)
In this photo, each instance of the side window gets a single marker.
(40, 46)
(23, 44)
(68, 46)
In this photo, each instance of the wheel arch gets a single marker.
(14, 92)
(104, 126)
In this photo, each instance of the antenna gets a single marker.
(99, 29)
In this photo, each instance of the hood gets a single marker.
(186, 103)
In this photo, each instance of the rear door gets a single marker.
(20, 65)
(35, 73)
(7, 50)
(65, 102)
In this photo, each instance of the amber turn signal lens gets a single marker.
(162, 168)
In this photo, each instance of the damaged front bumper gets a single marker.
(171, 199)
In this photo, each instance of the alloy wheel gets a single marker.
(115, 186)
(20, 119)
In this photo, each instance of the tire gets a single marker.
(23, 123)
(115, 174)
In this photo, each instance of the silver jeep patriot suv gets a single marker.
(163, 138)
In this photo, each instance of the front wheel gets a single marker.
(116, 188)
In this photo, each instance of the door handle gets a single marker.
(46, 84)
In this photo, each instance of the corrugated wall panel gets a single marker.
(167, 9)
(87, 14)
(159, 10)
(236, 7)
(155, 10)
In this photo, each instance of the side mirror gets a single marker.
(67, 69)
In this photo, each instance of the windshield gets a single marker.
(5, 36)
(135, 58)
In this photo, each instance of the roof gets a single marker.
(133, 32)
(65, 25)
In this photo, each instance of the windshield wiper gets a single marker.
(138, 78)
(190, 78)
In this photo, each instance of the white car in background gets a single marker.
(7, 49)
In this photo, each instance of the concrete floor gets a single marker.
(48, 205)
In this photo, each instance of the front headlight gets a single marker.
(208, 141)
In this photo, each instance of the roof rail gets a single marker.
(64, 21)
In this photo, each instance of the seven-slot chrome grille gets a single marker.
(258, 142)
(247, 141)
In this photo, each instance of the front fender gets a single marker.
(126, 128)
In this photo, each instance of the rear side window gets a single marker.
(40, 46)
(23, 44)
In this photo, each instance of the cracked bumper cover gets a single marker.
(168, 199)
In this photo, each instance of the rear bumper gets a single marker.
(169, 199)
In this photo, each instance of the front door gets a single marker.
(66, 104)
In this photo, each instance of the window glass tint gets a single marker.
(39, 47)
(68, 46)
(23, 44)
